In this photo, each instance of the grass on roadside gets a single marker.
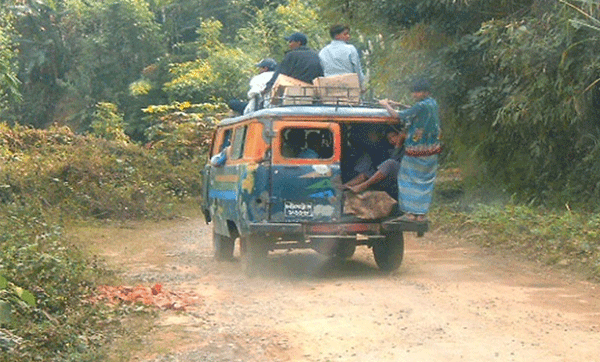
(563, 238)
(46, 178)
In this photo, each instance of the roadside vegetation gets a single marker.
(106, 111)
(558, 237)
(53, 177)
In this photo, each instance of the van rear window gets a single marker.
(307, 143)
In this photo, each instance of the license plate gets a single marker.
(298, 209)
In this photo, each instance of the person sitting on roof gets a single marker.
(266, 68)
(340, 57)
(299, 62)
(258, 83)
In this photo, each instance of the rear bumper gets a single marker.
(275, 229)
(287, 229)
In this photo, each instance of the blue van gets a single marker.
(276, 183)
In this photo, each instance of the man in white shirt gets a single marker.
(266, 69)
(339, 57)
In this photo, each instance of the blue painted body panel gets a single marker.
(238, 193)
(303, 193)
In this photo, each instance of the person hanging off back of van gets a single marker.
(340, 57)
(419, 164)
(299, 62)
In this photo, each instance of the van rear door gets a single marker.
(305, 172)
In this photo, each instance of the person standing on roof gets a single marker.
(299, 62)
(339, 57)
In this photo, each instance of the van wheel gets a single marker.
(253, 253)
(388, 253)
(223, 246)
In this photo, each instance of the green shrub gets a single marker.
(47, 176)
(53, 323)
(84, 176)
(554, 237)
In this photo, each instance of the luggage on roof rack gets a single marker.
(341, 89)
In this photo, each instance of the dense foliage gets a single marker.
(46, 282)
(9, 83)
(529, 101)
(72, 54)
(517, 80)
(48, 176)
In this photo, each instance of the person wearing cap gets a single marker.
(258, 83)
(339, 57)
(299, 62)
(422, 146)
(266, 68)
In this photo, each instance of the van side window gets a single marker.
(307, 143)
(226, 140)
(239, 142)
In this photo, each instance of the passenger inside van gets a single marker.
(374, 150)
(314, 142)
(293, 141)
(224, 150)
(385, 178)
(307, 143)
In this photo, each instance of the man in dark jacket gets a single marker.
(300, 62)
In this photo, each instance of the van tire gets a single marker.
(253, 252)
(223, 246)
(389, 252)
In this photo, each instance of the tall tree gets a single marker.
(9, 83)
(42, 57)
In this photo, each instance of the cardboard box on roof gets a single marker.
(299, 95)
(288, 90)
(284, 80)
(339, 89)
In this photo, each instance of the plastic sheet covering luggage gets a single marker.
(368, 205)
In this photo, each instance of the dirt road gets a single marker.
(450, 301)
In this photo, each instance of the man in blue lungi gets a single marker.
(422, 146)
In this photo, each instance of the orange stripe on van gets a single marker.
(227, 178)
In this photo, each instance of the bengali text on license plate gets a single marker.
(298, 209)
